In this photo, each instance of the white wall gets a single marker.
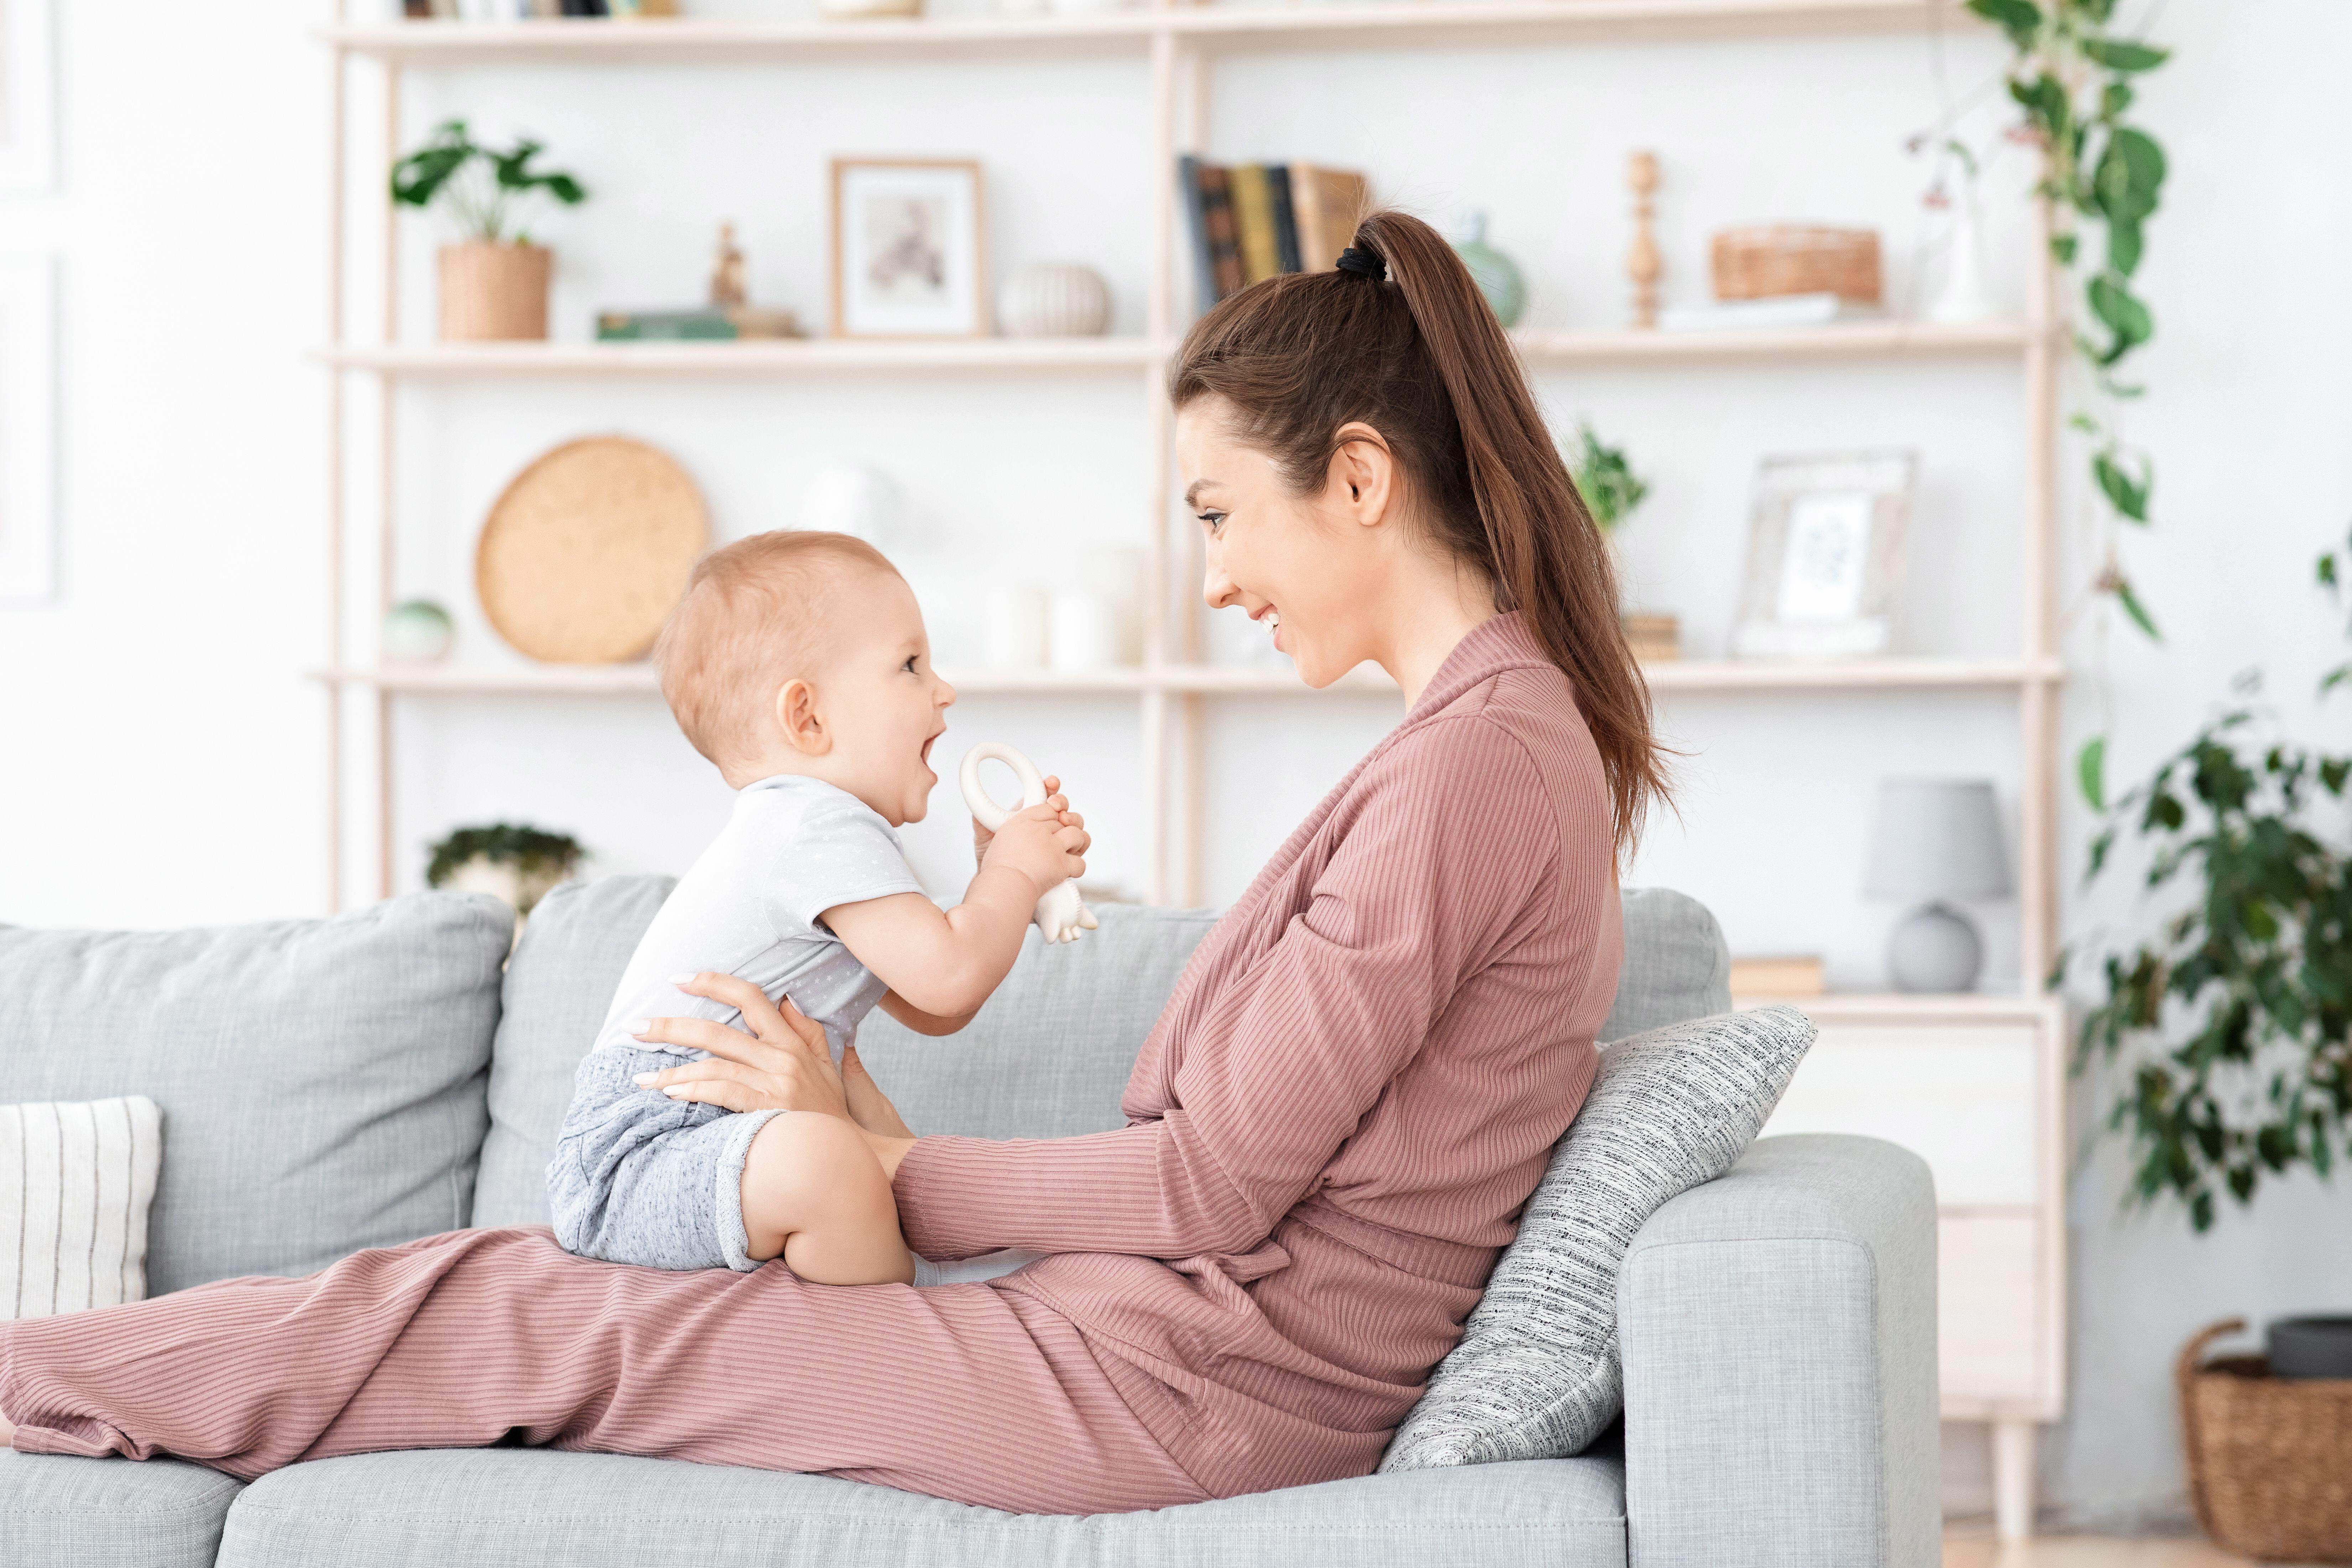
(161, 761)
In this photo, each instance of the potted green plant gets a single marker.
(493, 284)
(511, 861)
(1612, 490)
(2231, 1023)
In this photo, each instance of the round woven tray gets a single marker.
(588, 550)
(2270, 1459)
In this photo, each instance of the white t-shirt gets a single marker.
(794, 848)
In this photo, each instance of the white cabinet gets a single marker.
(1974, 1085)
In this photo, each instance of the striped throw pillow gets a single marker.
(75, 1183)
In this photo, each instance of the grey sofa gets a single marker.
(331, 1085)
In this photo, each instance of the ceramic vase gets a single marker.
(1053, 300)
(854, 500)
(1497, 275)
(417, 632)
(1018, 633)
(1964, 296)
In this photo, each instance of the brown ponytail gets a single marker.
(1422, 359)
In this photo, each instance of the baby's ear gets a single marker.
(797, 715)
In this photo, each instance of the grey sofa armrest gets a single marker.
(1778, 1327)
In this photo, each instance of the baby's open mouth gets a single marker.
(927, 750)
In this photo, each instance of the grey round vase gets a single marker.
(1934, 949)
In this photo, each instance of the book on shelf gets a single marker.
(1783, 976)
(707, 324)
(1254, 216)
(1254, 221)
(1286, 222)
(1216, 245)
(1326, 206)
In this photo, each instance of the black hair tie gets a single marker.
(1362, 263)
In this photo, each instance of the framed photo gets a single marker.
(28, 430)
(27, 117)
(909, 249)
(1824, 556)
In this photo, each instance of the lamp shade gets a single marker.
(1936, 839)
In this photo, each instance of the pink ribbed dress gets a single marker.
(1331, 1130)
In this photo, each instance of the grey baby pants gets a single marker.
(641, 1178)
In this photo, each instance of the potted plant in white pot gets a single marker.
(492, 284)
(511, 861)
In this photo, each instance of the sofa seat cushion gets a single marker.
(58, 1512)
(321, 1081)
(508, 1508)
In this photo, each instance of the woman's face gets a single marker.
(1312, 570)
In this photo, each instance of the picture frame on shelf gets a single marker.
(28, 106)
(29, 546)
(909, 249)
(1824, 556)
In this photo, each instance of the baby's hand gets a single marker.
(1035, 843)
(1055, 798)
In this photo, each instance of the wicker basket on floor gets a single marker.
(2270, 1459)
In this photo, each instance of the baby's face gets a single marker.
(880, 698)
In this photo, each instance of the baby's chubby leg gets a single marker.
(814, 1193)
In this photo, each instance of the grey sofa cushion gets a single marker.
(321, 1081)
(558, 987)
(1537, 1374)
(1048, 1056)
(500, 1507)
(1678, 965)
(59, 1511)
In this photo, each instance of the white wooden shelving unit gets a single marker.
(2016, 1383)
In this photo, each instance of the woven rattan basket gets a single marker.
(2270, 1459)
(1789, 259)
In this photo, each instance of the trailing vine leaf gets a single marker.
(2090, 772)
(2127, 494)
(2075, 85)
(2020, 20)
(2136, 610)
(2122, 55)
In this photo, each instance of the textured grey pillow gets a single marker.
(1536, 1375)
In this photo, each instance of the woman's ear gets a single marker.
(798, 718)
(1363, 477)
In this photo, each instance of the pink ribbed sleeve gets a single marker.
(1287, 1060)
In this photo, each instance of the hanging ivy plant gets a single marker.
(2074, 80)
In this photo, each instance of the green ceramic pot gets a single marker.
(1497, 275)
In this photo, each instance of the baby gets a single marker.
(796, 662)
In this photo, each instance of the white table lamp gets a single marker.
(1935, 839)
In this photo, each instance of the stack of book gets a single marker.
(1251, 221)
(524, 10)
(714, 324)
(1653, 637)
(1789, 977)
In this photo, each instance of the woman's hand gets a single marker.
(782, 1064)
(1063, 814)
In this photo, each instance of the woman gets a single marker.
(1332, 1128)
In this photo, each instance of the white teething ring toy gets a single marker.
(1059, 915)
